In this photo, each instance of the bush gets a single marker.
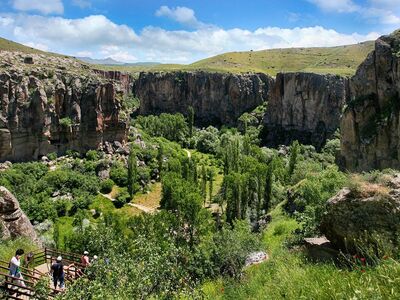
(106, 186)
(52, 156)
(208, 140)
(122, 198)
(66, 122)
(119, 174)
(92, 155)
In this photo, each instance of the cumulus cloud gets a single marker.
(341, 6)
(45, 7)
(385, 12)
(69, 33)
(103, 38)
(180, 14)
(82, 3)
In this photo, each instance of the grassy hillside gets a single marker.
(342, 60)
(8, 45)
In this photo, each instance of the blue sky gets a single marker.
(187, 30)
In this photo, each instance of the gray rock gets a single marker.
(370, 216)
(256, 258)
(370, 123)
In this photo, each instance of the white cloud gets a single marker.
(386, 12)
(78, 33)
(43, 6)
(341, 6)
(101, 38)
(39, 46)
(82, 3)
(180, 14)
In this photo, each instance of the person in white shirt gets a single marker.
(15, 264)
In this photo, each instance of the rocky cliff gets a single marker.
(13, 221)
(217, 98)
(52, 108)
(304, 107)
(371, 122)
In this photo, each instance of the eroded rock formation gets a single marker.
(305, 107)
(14, 222)
(42, 113)
(371, 122)
(369, 214)
(217, 98)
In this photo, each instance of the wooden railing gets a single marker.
(15, 288)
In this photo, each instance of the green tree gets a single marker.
(294, 152)
(268, 187)
(191, 120)
(203, 183)
(160, 157)
(210, 182)
(132, 172)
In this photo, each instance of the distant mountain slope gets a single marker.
(342, 60)
(8, 45)
(112, 62)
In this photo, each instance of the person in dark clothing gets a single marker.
(57, 270)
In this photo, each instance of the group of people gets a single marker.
(57, 269)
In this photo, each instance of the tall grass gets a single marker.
(288, 275)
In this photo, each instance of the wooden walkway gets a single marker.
(37, 269)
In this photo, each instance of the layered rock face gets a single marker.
(217, 99)
(305, 107)
(41, 114)
(370, 126)
(13, 220)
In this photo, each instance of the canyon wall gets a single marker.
(370, 126)
(305, 107)
(41, 113)
(217, 98)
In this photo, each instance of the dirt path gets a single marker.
(143, 208)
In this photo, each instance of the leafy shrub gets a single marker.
(122, 198)
(92, 155)
(66, 122)
(208, 140)
(106, 186)
(119, 174)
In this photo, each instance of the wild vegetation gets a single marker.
(219, 197)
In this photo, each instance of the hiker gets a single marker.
(57, 270)
(85, 259)
(85, 262)
(15, 269)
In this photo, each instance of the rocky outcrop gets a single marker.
(44, 113)
(305, 107)
(14, 222)
(217, 98)
(371, 122)
(367, 215)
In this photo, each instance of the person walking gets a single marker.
(57, 270)
(15, 267)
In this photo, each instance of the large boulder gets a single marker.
(369, 214)
(13, 219)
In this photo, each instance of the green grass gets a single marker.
(288, 275)
(341, 60)
(8, 248)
